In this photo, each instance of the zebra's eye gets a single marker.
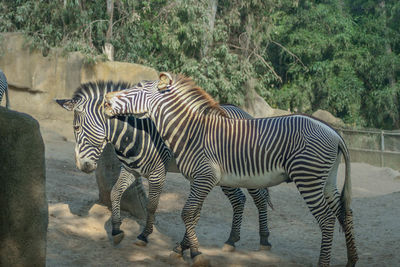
(77, 128)
(165, 90)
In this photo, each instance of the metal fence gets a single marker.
(375, 147)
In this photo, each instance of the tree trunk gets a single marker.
(207, 37)
(108, 48)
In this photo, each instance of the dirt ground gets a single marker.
(79, 227)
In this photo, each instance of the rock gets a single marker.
(117, 71)
(254, 104)
(280, 112)
(24, 210)
(35, 80)
(327, 117)
(134, 199)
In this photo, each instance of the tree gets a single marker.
(108, 48)
(348, 65)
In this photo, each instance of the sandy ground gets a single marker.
(79, 227)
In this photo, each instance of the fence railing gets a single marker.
(376, 147)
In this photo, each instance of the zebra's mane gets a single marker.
(199, 98)
(97, 89)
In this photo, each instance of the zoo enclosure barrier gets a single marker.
(376, 147)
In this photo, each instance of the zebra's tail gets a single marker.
(345, 197)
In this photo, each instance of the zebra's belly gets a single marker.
(267, 179)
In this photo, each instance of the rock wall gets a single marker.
(23, 204)
(327, 117)
(36, 80)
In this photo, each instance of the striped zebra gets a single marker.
(4, 88)
(212, 149)
(142, 153)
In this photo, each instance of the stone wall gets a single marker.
(36, 80)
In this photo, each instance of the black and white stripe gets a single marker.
(4, 88)
(212, 149)
(143, 153)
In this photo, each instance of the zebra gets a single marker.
(212, 149)
(4, 88)
(142, 153)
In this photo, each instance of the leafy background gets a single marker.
(339, 55)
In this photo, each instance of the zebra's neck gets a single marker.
(182, 131)
(116, 128)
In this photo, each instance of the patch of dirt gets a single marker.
(79, 227)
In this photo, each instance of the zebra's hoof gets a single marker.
(140, 243)
(118, 238)
(201, 261)
(228, 248)
(351, 262)
(265, 247)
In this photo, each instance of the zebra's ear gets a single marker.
(68, 104)
(165, 80)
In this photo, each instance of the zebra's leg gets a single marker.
(260, 197)
(156, 183)
(237, 199)
(199, 190)
(352, 256)
(345, 218)
(180, 247)
(346, 222)
(125, 179)
(185, 244)
(311, 189)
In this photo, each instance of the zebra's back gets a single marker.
(260, 152)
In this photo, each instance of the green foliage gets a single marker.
(338, 55)
(330, 81)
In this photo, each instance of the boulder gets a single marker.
(134, 199)
(254, 104)
(23, 204)
(280, 112)
(327, 117)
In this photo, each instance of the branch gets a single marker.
(90, 30)
(290, 53)
(164, 12)
(270, 67)
(260, 58)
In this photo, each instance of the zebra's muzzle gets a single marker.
(108, 111)
(86, 165)
(108, 103)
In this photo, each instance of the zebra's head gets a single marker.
(134, 101)
(89, 125)
(170, 93)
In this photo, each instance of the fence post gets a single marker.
(382, 148)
